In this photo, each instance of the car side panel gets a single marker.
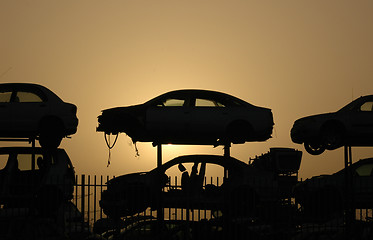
(26, 116)
(167, 121)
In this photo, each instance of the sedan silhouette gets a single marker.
(190, 117)
(352, 125)
(31, 110)
(240, 192)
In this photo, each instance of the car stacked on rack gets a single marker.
(199, 117)
(352, 125)
(326, 196)
(40, 178)
(33, 111)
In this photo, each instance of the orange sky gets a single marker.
(296, 57)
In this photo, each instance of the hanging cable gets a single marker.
(110, 147)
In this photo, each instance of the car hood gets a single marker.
(112, 120)
(315, 117)
(127, 178)
(117, 110)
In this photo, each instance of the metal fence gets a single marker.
(283, 219)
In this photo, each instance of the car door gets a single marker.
(208, 117)
(168, 118)
(28, 108)
(362, 120)
(6, 119)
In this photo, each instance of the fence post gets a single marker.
(83, 197)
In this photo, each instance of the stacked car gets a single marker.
(199, 117)
(327, 196)
(40, 178)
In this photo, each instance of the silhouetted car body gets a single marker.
(352, 125)
(30, 110)
(240, 192)
(326, 194)
(34, 177)
(190, 117)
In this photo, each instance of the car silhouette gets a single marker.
(352, 125)
(326, 195)
(31, 110)
(245, 186)
(32, 177)
(190, 117)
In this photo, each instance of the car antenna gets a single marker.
(5, 72)
(110, 147)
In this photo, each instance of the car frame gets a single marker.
(33, 111)
(190, 116)
(245, 186)
(352, 125)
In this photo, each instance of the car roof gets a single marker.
(17, 85)
(199, 92)
(38, 87)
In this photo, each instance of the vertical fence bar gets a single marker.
(82, 198)
(94, 198)
(88, 198)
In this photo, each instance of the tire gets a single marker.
(50, 133)
(314, 148)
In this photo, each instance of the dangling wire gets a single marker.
(110, 147)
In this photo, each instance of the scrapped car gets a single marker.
(31, 110)
(190, 117)
(239, 193)
(325, 195)
(352, 125)
(32, 177)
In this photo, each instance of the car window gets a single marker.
(27, 97)
(364, 170)
(3, 161)
(5, 96)
(208, 103)
(171, 102)
(26, 162)
(367, 107)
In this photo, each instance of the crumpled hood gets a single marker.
(127, 178)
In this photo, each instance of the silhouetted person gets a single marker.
(185, 179)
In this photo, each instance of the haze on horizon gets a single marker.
(298, 58)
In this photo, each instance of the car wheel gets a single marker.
(332, 137)
(50, 133)
(314, 148)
